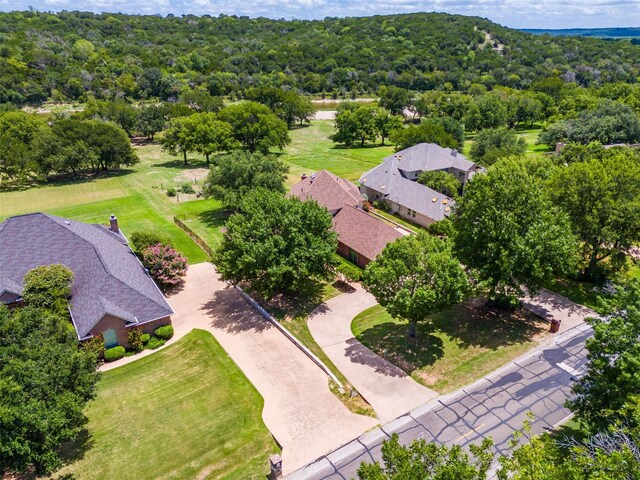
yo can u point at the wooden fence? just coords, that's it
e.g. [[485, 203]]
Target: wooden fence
[[194, 236]]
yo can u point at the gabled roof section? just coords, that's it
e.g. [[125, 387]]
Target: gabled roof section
[[425, 157], [363, 233], [108, 278], [328, 190], [387, 179]]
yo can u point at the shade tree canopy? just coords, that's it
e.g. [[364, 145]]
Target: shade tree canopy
[[416, 276], [276, 244], [491, 145], [509, 232], [235, 175]]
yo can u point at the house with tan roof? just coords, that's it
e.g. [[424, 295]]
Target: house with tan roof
[[361, 237], [394, 182]]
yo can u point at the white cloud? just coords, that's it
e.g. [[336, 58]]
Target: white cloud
[[513, 13]]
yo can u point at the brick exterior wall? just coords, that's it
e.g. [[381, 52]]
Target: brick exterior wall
[[122, 332], [343, 251]]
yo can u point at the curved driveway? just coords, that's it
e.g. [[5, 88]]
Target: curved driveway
[[304, 417], [389, 390]]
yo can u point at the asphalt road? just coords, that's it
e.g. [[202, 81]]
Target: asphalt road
[[494, 407]]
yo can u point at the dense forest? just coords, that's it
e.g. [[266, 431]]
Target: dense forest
[[76, 55]]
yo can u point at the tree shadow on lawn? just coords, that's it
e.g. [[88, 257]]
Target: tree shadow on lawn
[[178, 163], [63, 180], [471, 324], [301, 304], [476, 324], [214, 218]]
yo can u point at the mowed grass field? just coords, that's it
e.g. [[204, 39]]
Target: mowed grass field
[[184, 412], [312, 150], [136, 195], [456, 347]]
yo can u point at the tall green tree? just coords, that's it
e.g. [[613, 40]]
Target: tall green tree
[[395, 99], [355, 123], [276, 244], [602, 199], [386, 123], [416, 276], [428, 461], [428, 131], [441, 181], [491, 145], [255, 126], [510, 233], [235, 175], [18, 130], [150, 119], [609, 392], [48, 287], [212, 135], [179, 137]]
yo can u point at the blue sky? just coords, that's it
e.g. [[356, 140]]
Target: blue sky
[[511, 13]]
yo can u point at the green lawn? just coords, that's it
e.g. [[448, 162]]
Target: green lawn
[[529, 134], [136, 195], [312, 150], [457, 347], [184, 412], [584, 293]]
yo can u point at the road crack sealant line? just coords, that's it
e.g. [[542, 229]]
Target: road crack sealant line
[[564, 337], [292, 338]]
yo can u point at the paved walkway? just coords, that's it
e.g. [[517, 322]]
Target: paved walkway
[[306, 419], [550, 305], [389, 390]]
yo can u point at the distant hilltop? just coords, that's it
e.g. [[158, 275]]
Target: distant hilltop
[[608, 33]]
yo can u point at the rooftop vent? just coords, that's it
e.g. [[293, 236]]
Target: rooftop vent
[[113, 224], [303, 176], [445, 201], [434, 199], [454, 153]]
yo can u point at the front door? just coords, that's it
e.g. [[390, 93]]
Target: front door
[[110, 338]]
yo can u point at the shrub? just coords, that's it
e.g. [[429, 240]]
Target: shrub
[[381, 206], [155, 342], [134, 339], [115, 353], [165, 332], [144, 338], [165, 264], [143, 239], [187, 188], [171, 192], [351, 272], [95, 344]]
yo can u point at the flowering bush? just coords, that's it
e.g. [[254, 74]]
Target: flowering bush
[[165, 264]]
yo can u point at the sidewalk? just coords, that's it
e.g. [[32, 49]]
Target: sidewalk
[[552, 306]]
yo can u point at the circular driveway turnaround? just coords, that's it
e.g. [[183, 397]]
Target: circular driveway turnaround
[[389, 390], [305, 418]]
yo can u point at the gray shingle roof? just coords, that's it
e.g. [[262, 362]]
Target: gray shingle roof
[[425, 157], [387, 179], [108, 278]]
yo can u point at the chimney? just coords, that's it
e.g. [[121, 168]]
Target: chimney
[[303, 176], [113, 221], [454, 153]]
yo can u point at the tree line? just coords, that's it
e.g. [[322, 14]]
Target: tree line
[[74, 56]]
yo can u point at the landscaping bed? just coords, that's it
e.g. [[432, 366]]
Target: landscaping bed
[[457, 347]]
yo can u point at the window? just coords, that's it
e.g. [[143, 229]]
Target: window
[[353, 256], [110, 338]]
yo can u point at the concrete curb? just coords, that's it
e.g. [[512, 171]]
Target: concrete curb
[[291, 337], [343, 451]]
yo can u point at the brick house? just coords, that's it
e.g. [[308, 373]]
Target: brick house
[[111, 292], [361, 237]]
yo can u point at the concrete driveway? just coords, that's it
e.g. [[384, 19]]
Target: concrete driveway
[[306, 419], [389, 390]]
